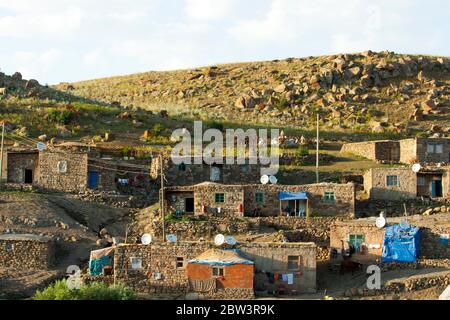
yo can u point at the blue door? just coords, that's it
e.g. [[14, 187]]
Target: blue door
[[93, 179]]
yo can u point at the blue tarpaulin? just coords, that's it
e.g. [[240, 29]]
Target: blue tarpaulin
[[96, 266], [401, 244], [292, 196]]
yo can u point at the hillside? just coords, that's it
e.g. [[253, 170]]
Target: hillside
[[379, 93]]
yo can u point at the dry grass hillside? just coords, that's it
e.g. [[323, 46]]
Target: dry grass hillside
[[378, 93]]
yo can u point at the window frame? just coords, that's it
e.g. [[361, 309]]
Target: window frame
[[439, 150], [296, 258], [131, 262], [327, 198], [179, 260], [262, 195], [217, 194], [396, 179], [61, 169], [220, 269], [356, 240]]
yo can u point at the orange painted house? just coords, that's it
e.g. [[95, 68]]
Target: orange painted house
[[221, 269]]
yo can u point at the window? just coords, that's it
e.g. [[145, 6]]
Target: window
[[329, 196], [356, 240], [9, 247], [259, 197], [439, 148], [220, 197], [180, 262], [430, 148], [218, 272], [215, 174], [62, 166], [392, 181], [182, 167], [420, 181], [136, 263], [294, 262]]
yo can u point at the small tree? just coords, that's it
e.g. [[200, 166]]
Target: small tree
[[302, 151]]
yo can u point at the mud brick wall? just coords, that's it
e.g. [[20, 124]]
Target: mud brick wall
[[375, 184], [74, 180], [17, 163], [340, 231], [26, 254]]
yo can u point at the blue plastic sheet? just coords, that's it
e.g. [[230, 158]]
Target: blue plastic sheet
[[401, 244], [292, 196], [96, 266]]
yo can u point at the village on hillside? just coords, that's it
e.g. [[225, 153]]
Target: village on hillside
[[191, 230]]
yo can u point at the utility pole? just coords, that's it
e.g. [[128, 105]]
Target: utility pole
[[1, 154], [163, 215], [317, 149]]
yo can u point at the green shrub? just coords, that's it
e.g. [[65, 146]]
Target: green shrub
[[61, 116], [302, 151], [92, 291], [157, 129]]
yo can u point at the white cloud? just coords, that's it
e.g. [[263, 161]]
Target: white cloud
[[210, 9]]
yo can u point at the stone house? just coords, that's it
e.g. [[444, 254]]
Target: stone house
[[21, 166], [26, 251], [367, 238], [425, 150], [162, 268], [408, 151], [189, 172], [261, 200], [403, 183], [381, 150]]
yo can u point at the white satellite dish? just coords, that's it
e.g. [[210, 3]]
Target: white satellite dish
[[380, 222], [265, 179], [219, 240], [146, 239], [416, 167], [273, 180], [40, 146], [230, 240], [171, 238]]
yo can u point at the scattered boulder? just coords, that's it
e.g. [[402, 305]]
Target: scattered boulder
[[245, 102]]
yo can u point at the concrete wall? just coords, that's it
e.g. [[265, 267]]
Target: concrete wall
[[74, 180], [23, 254], [161, 258], [375, 184], [18, 162]]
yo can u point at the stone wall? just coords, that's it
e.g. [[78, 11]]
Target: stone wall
[[385, 150], [18, 162], [160, 260], [408, 151], [74, 180], [416, 150], [244, 195], [197, 173], [26, 254], [375, 184]]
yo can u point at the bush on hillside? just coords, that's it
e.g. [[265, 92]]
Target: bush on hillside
[[92, 291], [61, 116]]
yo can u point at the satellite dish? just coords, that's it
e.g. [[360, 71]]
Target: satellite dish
[[146, 239], [416, 167], [40, 146], [273, 180], [380, 222], [219, 239], [230, 240], [404, 225], [265, 179], [171, 238]]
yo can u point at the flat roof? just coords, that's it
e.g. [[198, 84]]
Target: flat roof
[[24, 237]]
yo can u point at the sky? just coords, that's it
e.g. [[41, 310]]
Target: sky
[[62, 41]]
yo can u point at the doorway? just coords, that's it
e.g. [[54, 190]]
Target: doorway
[[28, 176], [436, 188], [93, 179], [189, 205]]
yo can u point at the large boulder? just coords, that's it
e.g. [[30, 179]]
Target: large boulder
[[245, 102]]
